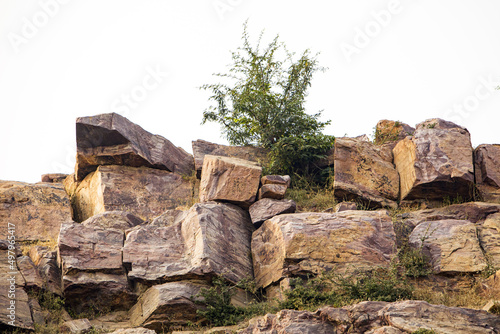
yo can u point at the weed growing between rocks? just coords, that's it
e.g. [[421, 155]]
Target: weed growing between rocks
[[313, 192]]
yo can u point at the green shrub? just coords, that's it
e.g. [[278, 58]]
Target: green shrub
[[414, 262], [424, 331]]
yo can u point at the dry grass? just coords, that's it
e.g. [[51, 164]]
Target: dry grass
[[311, 200], [27, 245]]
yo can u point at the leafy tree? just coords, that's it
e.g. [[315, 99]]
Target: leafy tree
[[262, 103]]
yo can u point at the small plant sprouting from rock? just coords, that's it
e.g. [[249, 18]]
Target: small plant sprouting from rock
[[424, 331]]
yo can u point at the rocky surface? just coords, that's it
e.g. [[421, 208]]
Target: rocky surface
[[364, 172], [145, 192], [35, 211], [489, 238], [229, 179], [92, 267], [267, 208], [119, 220], [78, 326], [213, 238], [435, 162], [344, 206], [111, 139], [249, 153], [451, 245], [54, 178], [45, 260], [378, 317], [302, 243], [162, 306], [276, 191], [391, 131], [487, 172]]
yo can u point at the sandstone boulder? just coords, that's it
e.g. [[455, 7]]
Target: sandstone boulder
[[45, 260], [276, 191], [111, 139], [162, 306], [267, 208], [249, 153], [78, 326], [92, 268], [35, 211], [30, 272], [138, 330], [451, 245], [302, 243], [213, 238], [169, 218], [17, 314], [411, 316], [276, 179], [364, 172], [487, 169], [489, 238], [229, 179], [145, 192], [435, 162], [54, 178], [119, 220], [391, 131]]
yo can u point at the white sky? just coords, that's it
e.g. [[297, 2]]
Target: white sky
[[81, 57]]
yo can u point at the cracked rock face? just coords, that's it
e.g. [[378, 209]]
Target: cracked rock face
[[435, 162], [297, 244], [365, 172], [487, 163], [111, 139]]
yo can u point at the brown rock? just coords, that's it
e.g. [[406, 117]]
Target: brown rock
[[78, 326], [276, 179], [365, 172], [344, 206], [144, 191], [92, 268], [54, 178], [111, 139], [48, 269], [34, 211], [487, 169], [249, 153], [212, 239], [138, 330], [229, 179], [276, 191], [169, 218], [301, 243], [435, 162], [391, 131], [267, 208], [386, 330], [489, 238], [20, 316], [119, 220], [411, 316], [30, 273], [289, 321], [166, 305], [451, 245]]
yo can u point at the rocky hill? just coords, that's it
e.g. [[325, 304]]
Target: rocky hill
[[138, 237]]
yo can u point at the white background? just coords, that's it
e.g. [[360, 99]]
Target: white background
[[414, 60]]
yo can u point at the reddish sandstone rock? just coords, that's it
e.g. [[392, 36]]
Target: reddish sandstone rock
[[487, 163], [111, 139], [435, 162], [302, 243]]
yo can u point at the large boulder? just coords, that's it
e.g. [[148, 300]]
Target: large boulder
[[92, 267], [119, 220], [451, 245], [211, 239], [436, 162], [162, 306], [364, 172], [489, 238], [229, 180], [146, 192], [111, 139], [34, 211], [391, 131], [249, 153], [310, 243], [45, 260], [487, 169]]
